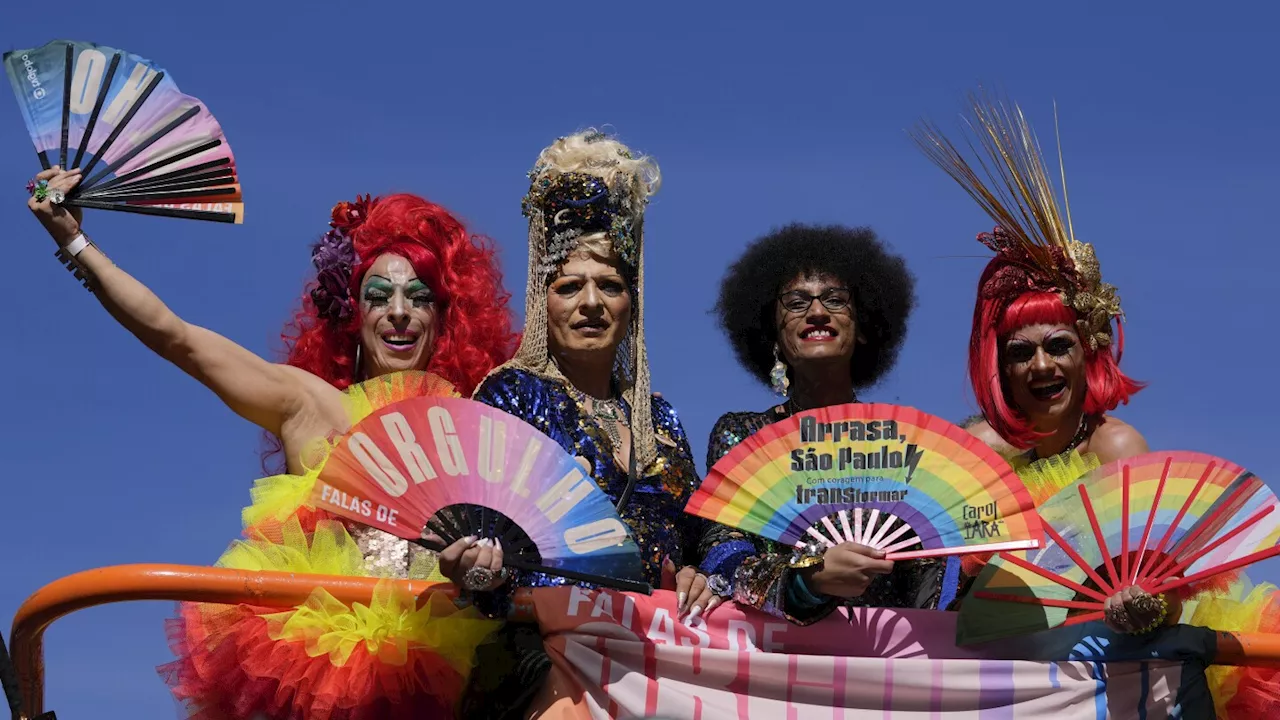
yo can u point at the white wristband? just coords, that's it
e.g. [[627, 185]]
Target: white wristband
[[67, 255], [76, 246]]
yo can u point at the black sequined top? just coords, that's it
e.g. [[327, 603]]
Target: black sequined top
[[655, 511], [912, 584]]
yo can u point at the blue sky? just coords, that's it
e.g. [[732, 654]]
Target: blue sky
[[758, 115]]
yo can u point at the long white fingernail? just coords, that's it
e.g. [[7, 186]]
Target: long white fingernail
[[695, 612], [680, 598]]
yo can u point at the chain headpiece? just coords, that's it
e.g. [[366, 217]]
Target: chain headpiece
[[568, 205]]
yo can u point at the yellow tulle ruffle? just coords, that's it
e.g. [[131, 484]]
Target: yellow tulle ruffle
[[1045, 477], [388, 628], [273, 499]]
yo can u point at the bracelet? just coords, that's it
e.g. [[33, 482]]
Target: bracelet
[[807, 556], [67, 255]]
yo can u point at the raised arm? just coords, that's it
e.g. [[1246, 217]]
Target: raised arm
[[259, 391]]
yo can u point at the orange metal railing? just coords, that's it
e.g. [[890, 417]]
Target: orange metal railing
[[274, 589], [180, 583]]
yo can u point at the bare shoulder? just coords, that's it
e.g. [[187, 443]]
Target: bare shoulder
[[315, 395], [987, 434], [1116, 439]]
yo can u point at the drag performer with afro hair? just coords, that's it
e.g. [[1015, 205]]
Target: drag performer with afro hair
[[817, 313]]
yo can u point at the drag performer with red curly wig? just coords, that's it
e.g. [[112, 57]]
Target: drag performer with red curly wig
[[406, 302], [1044, 363]]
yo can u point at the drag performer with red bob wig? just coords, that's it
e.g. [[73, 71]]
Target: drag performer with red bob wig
[[405, 303], [1044, 363], [1044, 372]]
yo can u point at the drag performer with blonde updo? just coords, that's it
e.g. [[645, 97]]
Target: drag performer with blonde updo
[[405, 303], [581, 376], [1044, 367]]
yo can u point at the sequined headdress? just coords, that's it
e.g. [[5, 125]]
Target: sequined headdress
[[1033, 238], [604, 190]]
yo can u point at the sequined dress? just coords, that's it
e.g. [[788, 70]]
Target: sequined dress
[[759, 569], [511, 670]]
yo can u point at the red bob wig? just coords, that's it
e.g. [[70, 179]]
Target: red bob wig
[[994, 318]]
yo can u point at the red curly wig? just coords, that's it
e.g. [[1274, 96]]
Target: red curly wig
[[474, 332], [994, 318]]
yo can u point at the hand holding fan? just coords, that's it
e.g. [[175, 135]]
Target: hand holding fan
[[1158, 522], [880, 475], [143, 146], [459, 468]]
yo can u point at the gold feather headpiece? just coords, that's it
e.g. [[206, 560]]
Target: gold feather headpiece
[[1033, 238]]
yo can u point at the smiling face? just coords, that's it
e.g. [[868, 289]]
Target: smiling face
[[398, 318], [1044, 373], [588, 309], [815, 321]]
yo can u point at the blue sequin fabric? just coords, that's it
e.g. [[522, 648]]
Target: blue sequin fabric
[[760, 567], [655, 512]]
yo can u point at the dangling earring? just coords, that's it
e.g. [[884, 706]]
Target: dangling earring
[[359, 368], [778, 375]]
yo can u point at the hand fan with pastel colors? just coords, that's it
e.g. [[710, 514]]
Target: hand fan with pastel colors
[[143, 146], [457, 468], [1159, 521]]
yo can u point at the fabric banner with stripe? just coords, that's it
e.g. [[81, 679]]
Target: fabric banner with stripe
[[626, 655]]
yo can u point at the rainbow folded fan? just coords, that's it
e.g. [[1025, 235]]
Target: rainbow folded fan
[[885, 476], [1159, 521], [456, 468], [143, 146]]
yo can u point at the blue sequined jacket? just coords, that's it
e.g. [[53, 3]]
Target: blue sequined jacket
[[655, 512], [759, 570]]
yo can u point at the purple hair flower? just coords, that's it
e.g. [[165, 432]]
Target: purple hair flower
[[334, 258]]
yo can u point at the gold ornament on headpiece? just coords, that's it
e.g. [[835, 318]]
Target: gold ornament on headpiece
[[1018, 194]]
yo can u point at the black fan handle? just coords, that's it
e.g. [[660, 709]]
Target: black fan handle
[[516, 564]]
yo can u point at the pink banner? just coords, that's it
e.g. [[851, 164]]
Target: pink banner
[[625, 655]]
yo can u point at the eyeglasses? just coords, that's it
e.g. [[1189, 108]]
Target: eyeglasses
[[833, 299]]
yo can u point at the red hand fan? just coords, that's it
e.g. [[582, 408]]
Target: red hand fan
[[885, 476], [1159, 522], [459, 468], [143, 146]]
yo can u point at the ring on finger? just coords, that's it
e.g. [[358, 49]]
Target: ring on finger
[[478, 578], [719, 585]]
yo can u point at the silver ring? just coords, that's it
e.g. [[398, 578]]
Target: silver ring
[[719, 585], [478, 578], [57, 196]]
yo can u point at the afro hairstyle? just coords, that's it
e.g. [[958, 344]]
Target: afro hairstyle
[[883, 292]]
